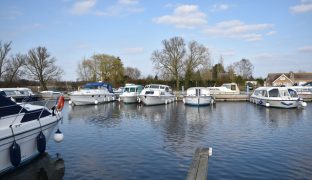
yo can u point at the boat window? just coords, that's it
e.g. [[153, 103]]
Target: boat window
[[198, 92], [228, 86], [132, 89], [274, 93], [167, 89], [126, 90], [292, 93], [264, 93], [2, 93], [155, 86], [90, 87], [149, 92], [162, 87], [233, 87], [162, 93]]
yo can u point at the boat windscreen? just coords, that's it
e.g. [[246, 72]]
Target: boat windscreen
[[292, 93]]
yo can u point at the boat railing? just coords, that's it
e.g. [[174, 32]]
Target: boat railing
[[49, 104]]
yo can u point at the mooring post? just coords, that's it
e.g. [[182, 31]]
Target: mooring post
[[199, 167]]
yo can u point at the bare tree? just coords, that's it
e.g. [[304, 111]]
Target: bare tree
[[231, 72], [4, 50], [86, 70], [14, 67], [132, 73], [41, 66], [244, 68], [169, 60], [197, 57]]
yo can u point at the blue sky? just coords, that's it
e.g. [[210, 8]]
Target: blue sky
[[276, 36]]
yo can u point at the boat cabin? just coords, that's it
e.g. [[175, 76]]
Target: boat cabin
[[275, 92], [133, 88]]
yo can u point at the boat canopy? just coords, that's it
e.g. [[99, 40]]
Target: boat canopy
[[98, 85]]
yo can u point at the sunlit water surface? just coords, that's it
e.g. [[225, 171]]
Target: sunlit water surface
[[117, 141]]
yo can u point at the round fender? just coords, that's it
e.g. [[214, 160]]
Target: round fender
[[41, 142], [58, 136], [15, 154]]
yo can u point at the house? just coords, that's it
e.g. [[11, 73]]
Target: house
[[287, 79]]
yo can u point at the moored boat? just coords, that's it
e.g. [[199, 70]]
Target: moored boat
[[226, 88], [92, 93], [280, 97], [21, 94], [156, 94], [50, 94], [131, 93], [198, 96], [24, 131]]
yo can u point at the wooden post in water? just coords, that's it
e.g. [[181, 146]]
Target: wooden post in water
[[199, 167]]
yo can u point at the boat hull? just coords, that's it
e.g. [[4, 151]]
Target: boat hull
[[286, 104], [129, 99], [91, 99], [156, 100], [25, 136], [197, 100]]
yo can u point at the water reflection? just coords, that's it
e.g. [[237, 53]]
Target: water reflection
[[129, 111], [278, 118], [43, 167], [104, 115]]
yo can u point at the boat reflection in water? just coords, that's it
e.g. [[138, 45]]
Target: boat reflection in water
[[279, 118], [43, 167]]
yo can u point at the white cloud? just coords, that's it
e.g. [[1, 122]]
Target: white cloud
[[238, 29], [220, 7], [271, 33], [127, 2], [304, 6], [305, 49], [134, 50], [82, 7], [184, 16], [123, 7]]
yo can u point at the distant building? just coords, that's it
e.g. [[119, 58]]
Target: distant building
[[287, 79]]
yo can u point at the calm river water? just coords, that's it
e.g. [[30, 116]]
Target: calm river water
[[117, 141]]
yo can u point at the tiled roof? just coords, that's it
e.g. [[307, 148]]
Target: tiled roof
[[297, 76]]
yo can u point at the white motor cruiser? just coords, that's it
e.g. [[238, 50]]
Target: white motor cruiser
[[130, 93], [24, 131], [198, 96], [92, 93], [226, 88], [50, 94], [20, 94], [155, 94], [281, 97]]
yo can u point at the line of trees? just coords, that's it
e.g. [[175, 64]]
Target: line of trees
[[192, 63], [108, 68], [36, 65]]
